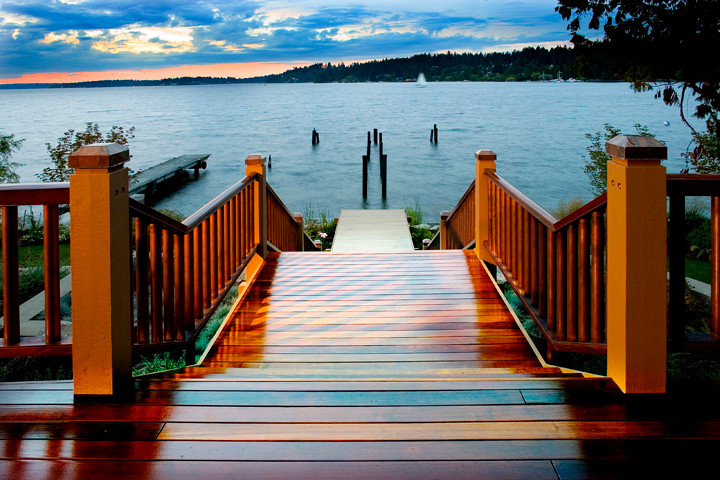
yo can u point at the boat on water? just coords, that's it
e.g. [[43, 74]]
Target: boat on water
[[421, 82]]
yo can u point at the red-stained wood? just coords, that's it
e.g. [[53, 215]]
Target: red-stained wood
[[51, 262], [142, 291], [413, 387], [156, 277], [168, 288], [11, 275]]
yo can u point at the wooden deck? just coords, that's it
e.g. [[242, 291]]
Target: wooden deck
[[384, 366], [372, 231]]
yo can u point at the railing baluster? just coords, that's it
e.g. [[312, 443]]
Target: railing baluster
[[715, 267], [199, 277], [597, 277], [583, 310], [213, 250], [142, 295], [11, 275], [561, 288], [526, 252], [51, 260], [233, 232], [156, 272], [533, 261], [179, 281], [542, 236], [168, 285], [551, 280], [206, 269], [189, 279], [220, 249], [572, 282], [515, 241], [226, 242]]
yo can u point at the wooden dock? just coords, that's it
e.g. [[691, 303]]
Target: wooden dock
[[382, 366], [372, 231], [147, 181]]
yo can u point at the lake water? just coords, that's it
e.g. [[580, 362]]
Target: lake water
[[537, 131]]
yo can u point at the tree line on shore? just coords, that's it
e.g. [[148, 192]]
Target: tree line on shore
[[529, 64]]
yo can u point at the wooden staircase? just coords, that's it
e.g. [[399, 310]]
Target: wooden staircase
[[391, 317]]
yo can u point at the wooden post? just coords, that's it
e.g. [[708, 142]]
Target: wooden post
[[365, 159], [269, 161], [444, 240], [375, 135], [484, 162], [636, 264], [102, 360], [256, 164], [300, 231], [383, 169], [318, 244], [315, 137], [676, 268], [435, 133]]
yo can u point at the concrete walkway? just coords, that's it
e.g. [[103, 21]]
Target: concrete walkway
[[372, 231]]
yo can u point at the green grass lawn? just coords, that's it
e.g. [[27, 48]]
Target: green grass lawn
[[698, 270]]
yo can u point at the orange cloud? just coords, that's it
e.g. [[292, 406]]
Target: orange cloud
[[239, 70]]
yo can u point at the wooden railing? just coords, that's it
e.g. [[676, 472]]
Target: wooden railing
[[680, 186], [11, 197], [184, 270], [457, 228], [283, 234], [556, 267], [181, 270]]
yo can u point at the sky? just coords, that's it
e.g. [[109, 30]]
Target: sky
[[79, 40]]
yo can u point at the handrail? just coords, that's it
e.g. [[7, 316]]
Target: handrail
[[50, 196], [211, 207], [458, 206], [526, 202], [556, 267], [18, 194]]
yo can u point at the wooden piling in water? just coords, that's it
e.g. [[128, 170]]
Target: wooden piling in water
[[315, 137], [375, 135], [383, 169], [269, 161], [434, 135], [364, 175]]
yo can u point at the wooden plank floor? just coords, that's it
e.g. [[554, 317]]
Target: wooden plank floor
[[362, 366], [372, 231]]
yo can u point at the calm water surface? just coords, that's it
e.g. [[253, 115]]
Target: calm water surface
[[536, 129]]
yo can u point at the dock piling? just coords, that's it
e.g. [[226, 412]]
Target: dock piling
[[269, 161], [365, 175], [383, 169], [375, 135], [315, 137], [434, 134]]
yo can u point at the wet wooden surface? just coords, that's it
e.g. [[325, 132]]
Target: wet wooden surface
[[362, 366]]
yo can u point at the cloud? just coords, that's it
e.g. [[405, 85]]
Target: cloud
[[83, 35], [154, 40], [71, 38]]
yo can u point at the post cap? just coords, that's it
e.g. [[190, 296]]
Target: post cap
[[298, 217], [485, 155], [444, 215], [254, 160], [99, 155], [636, 147]]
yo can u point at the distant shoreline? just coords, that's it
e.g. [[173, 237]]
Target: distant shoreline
[[558, 64], [162, 83]]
